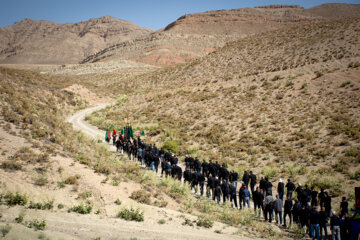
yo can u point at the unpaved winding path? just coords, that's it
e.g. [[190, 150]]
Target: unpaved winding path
[[111, 228], [79, 123]]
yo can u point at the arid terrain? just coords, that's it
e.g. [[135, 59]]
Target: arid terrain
[[273, 89]]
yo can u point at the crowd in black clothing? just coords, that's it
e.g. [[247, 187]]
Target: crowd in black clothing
[[310, 209]]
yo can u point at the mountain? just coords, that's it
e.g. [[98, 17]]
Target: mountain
[[283, 103], [44, 42], [195, 35]]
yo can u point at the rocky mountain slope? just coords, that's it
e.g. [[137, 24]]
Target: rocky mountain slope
[[44, 42], [282, 103], [195, 35]]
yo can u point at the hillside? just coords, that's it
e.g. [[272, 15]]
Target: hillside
[[282, 103], [195, 35], [57, 183], [44, 42]]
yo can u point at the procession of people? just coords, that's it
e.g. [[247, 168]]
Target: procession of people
[[291, 204]]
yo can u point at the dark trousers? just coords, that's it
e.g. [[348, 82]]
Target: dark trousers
[[268, 213], [290, 217], [225, 197], [213, 193], [323, 227], [252, 188], [278, 217], [281, 195], [289, 193], [202, 188], [233, 198]]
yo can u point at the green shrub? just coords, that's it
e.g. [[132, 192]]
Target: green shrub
[[205, 221], [16, 199], [270, 172], [131, 214], [60, 206], [42, 206], [11, 165], [41, 180], [85, 195], [326, 182], [5, 230], [141, 196], [61, 184], [37, 225], [72, 180], [20, 217], [171, 145], [82, 209], [345, 83], [117, 201], [161, 221]]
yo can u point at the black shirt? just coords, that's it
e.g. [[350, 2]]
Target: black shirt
[[334, 221], [344, 207], [290, 186], [288, 205], [253, 179], [281, 187], [314, 217]]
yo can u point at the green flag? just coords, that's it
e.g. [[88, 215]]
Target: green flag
[[143, 133], [106, 135]]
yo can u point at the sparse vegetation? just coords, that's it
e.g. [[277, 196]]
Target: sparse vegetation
[[82, 209], [17, 199], [36, 224], [141, 196], [205, 221], [131, 214], [5, 230]]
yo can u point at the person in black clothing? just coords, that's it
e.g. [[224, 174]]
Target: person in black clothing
[[205, 168], [287, 210], [327, 204], [201, 183], [252, 182], [303, 216], [323, 223], [178, 171], [296, 211], [314, 220], [246, 179], [290, 186], [218, 193], [268, 186], [217, 168], [211, 184], [298, 191], [156, 163], [335, 226], [344, 207], [262, 184], [347, 227], [194, 181], [308, 194], [314, 193], [280, 189], [258, 199], [225, 174], [321, 197], [225, 190], [212, 169], [241, 195], [233, 195], [187, 176], [234, 178]]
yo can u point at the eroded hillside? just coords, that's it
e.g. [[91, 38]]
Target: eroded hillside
[[283, 103]]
